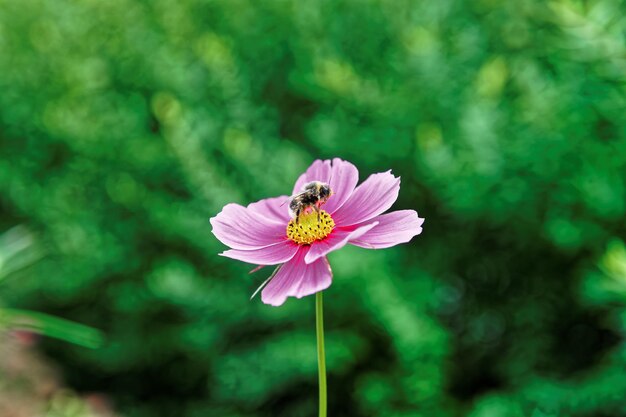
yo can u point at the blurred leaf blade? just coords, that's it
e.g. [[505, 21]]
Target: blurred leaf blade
[[44, 324]]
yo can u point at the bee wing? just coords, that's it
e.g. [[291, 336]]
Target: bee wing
[[266, 281], [291, 198]]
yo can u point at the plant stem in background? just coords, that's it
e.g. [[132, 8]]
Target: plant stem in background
[[321, 356]]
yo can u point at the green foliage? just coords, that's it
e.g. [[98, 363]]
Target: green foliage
[[50, 326], [125, 125], [18, 250]]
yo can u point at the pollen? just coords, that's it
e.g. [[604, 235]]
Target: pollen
[[310, 227]]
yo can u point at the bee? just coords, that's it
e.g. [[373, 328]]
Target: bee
[[313, 195]]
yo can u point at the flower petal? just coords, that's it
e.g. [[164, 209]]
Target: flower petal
[[275, 254], [318, 171], [343, 178], [375, 195], [242, 228], [297, 279], [393, 228], [275, 209], [336, 240]]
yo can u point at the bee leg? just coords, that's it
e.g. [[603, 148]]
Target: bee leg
[[297, 216], [317, 210]]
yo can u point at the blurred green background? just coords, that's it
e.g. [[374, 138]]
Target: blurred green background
[[125, 125]]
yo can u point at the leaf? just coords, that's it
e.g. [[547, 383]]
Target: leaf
[[51, 326]]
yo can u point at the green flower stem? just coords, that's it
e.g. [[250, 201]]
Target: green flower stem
[[321, 356]]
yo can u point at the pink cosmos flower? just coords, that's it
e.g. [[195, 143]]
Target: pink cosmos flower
[[263, 233]]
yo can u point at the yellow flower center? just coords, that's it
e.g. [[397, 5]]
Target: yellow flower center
[[310, 227]]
